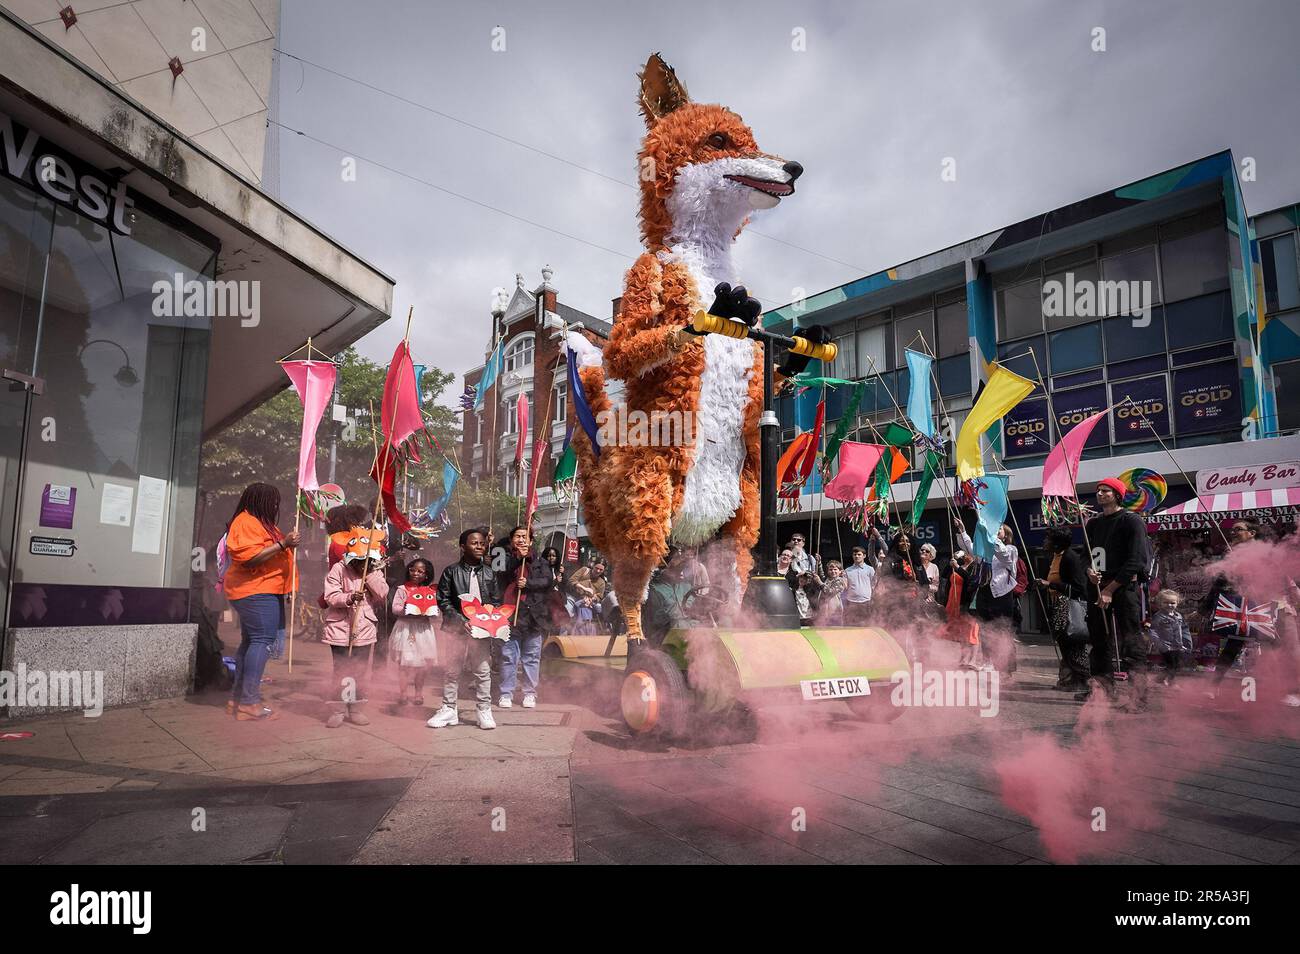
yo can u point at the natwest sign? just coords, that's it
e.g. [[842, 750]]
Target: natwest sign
[[1228, 480], [27, 157]]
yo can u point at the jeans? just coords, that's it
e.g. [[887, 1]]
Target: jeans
[[464, 652], [261, 617], [525, 647]]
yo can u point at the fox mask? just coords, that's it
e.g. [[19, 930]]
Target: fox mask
[[488, 621], [421, 601], [360, 543]]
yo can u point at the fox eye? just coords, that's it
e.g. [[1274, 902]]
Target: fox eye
[[719, 141]]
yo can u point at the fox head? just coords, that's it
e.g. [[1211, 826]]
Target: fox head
[[486, 619], [360, 543], [702, 173], [421, 601]]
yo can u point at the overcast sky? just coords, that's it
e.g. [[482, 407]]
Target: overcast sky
[[883, 92]]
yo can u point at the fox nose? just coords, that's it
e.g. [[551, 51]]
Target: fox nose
[[793, 169]]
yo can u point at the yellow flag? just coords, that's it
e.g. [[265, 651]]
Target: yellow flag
[[1004, 390]]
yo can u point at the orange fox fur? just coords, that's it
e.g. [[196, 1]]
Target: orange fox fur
[[631, 494]]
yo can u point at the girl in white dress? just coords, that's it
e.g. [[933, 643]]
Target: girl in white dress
[[413, 645]]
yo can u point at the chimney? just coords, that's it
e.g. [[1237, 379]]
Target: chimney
[[617, 308]]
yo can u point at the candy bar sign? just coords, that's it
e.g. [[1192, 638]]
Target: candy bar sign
[[1228, 480]]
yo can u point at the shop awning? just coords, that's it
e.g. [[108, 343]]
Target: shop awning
[[1266, 506]]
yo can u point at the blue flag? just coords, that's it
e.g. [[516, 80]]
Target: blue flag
[[449, 475], [489, 375], [991, 511], [918, 395], [419, 378], [580, 406]]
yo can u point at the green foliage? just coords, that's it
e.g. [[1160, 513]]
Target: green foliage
[[263, 445]]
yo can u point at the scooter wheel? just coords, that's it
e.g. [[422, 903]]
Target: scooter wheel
[[874, 708], [654, 699]]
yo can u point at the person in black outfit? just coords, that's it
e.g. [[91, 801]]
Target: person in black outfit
[[1115, 616], [1066, 580], [1243, 531]]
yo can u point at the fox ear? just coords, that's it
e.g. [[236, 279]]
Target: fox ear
[[661, 90]]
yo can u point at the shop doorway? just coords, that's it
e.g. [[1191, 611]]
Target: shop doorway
[[26, 230]]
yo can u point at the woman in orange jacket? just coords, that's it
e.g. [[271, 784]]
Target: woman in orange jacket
[[260, 574]]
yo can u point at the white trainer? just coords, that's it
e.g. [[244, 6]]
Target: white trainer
[[505, 702], [530, 701], [1291, 700], [485, 720], [444, 717]]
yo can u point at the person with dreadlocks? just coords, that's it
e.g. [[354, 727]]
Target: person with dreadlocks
[[259, 575]]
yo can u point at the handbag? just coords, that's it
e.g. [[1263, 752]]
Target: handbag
[[1070, 619]]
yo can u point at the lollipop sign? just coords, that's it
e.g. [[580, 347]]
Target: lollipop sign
[[1146, 489]]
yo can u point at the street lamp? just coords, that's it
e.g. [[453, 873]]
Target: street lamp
[[126, 375]]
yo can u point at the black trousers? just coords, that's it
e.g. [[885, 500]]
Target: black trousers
[[1075, 667], [1117, 629], [1227, 656]]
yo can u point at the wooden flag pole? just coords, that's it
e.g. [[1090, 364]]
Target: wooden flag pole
[[383, 469], [297, 521]]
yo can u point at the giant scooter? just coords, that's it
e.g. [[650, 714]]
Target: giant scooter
[[778, 662]]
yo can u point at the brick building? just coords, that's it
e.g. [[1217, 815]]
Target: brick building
[[528, 324]]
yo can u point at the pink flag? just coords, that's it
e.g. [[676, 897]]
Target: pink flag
[[857, 468], [314, 382], [521, 418], [1062, 464], [400, 412]]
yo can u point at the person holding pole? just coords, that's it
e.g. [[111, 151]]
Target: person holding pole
[[260, 574], [527, 581], [353, 587], [1118, 538]]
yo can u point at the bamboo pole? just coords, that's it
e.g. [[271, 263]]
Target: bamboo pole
[[297, 521], [530, 490]]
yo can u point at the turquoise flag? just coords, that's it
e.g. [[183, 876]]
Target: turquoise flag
[[489, 375], [918, 396], [991, 511], [449, 475]]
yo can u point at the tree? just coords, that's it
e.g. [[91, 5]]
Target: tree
[[263, 446]]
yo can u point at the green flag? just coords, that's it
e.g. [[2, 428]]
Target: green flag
[[847, 418], [933, 464]]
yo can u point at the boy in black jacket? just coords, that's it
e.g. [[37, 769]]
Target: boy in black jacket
[[470, 576]]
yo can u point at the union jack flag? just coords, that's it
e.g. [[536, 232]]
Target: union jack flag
[[1244, 620]]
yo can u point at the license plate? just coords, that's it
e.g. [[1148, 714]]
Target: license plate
[[842, 688]]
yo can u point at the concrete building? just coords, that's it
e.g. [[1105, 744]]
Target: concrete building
[[1212, 356], [203, 66], [526, 324], [147, 288]]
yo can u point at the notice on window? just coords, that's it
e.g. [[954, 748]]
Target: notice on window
[[115, 505], [150, 503], [58, 504]]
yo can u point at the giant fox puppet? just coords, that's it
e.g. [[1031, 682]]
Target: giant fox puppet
[[703, 175]]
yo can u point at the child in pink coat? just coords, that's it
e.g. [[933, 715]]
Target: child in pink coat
[[351, 628]]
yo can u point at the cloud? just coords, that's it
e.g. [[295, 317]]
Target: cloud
[[1034, 117]]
